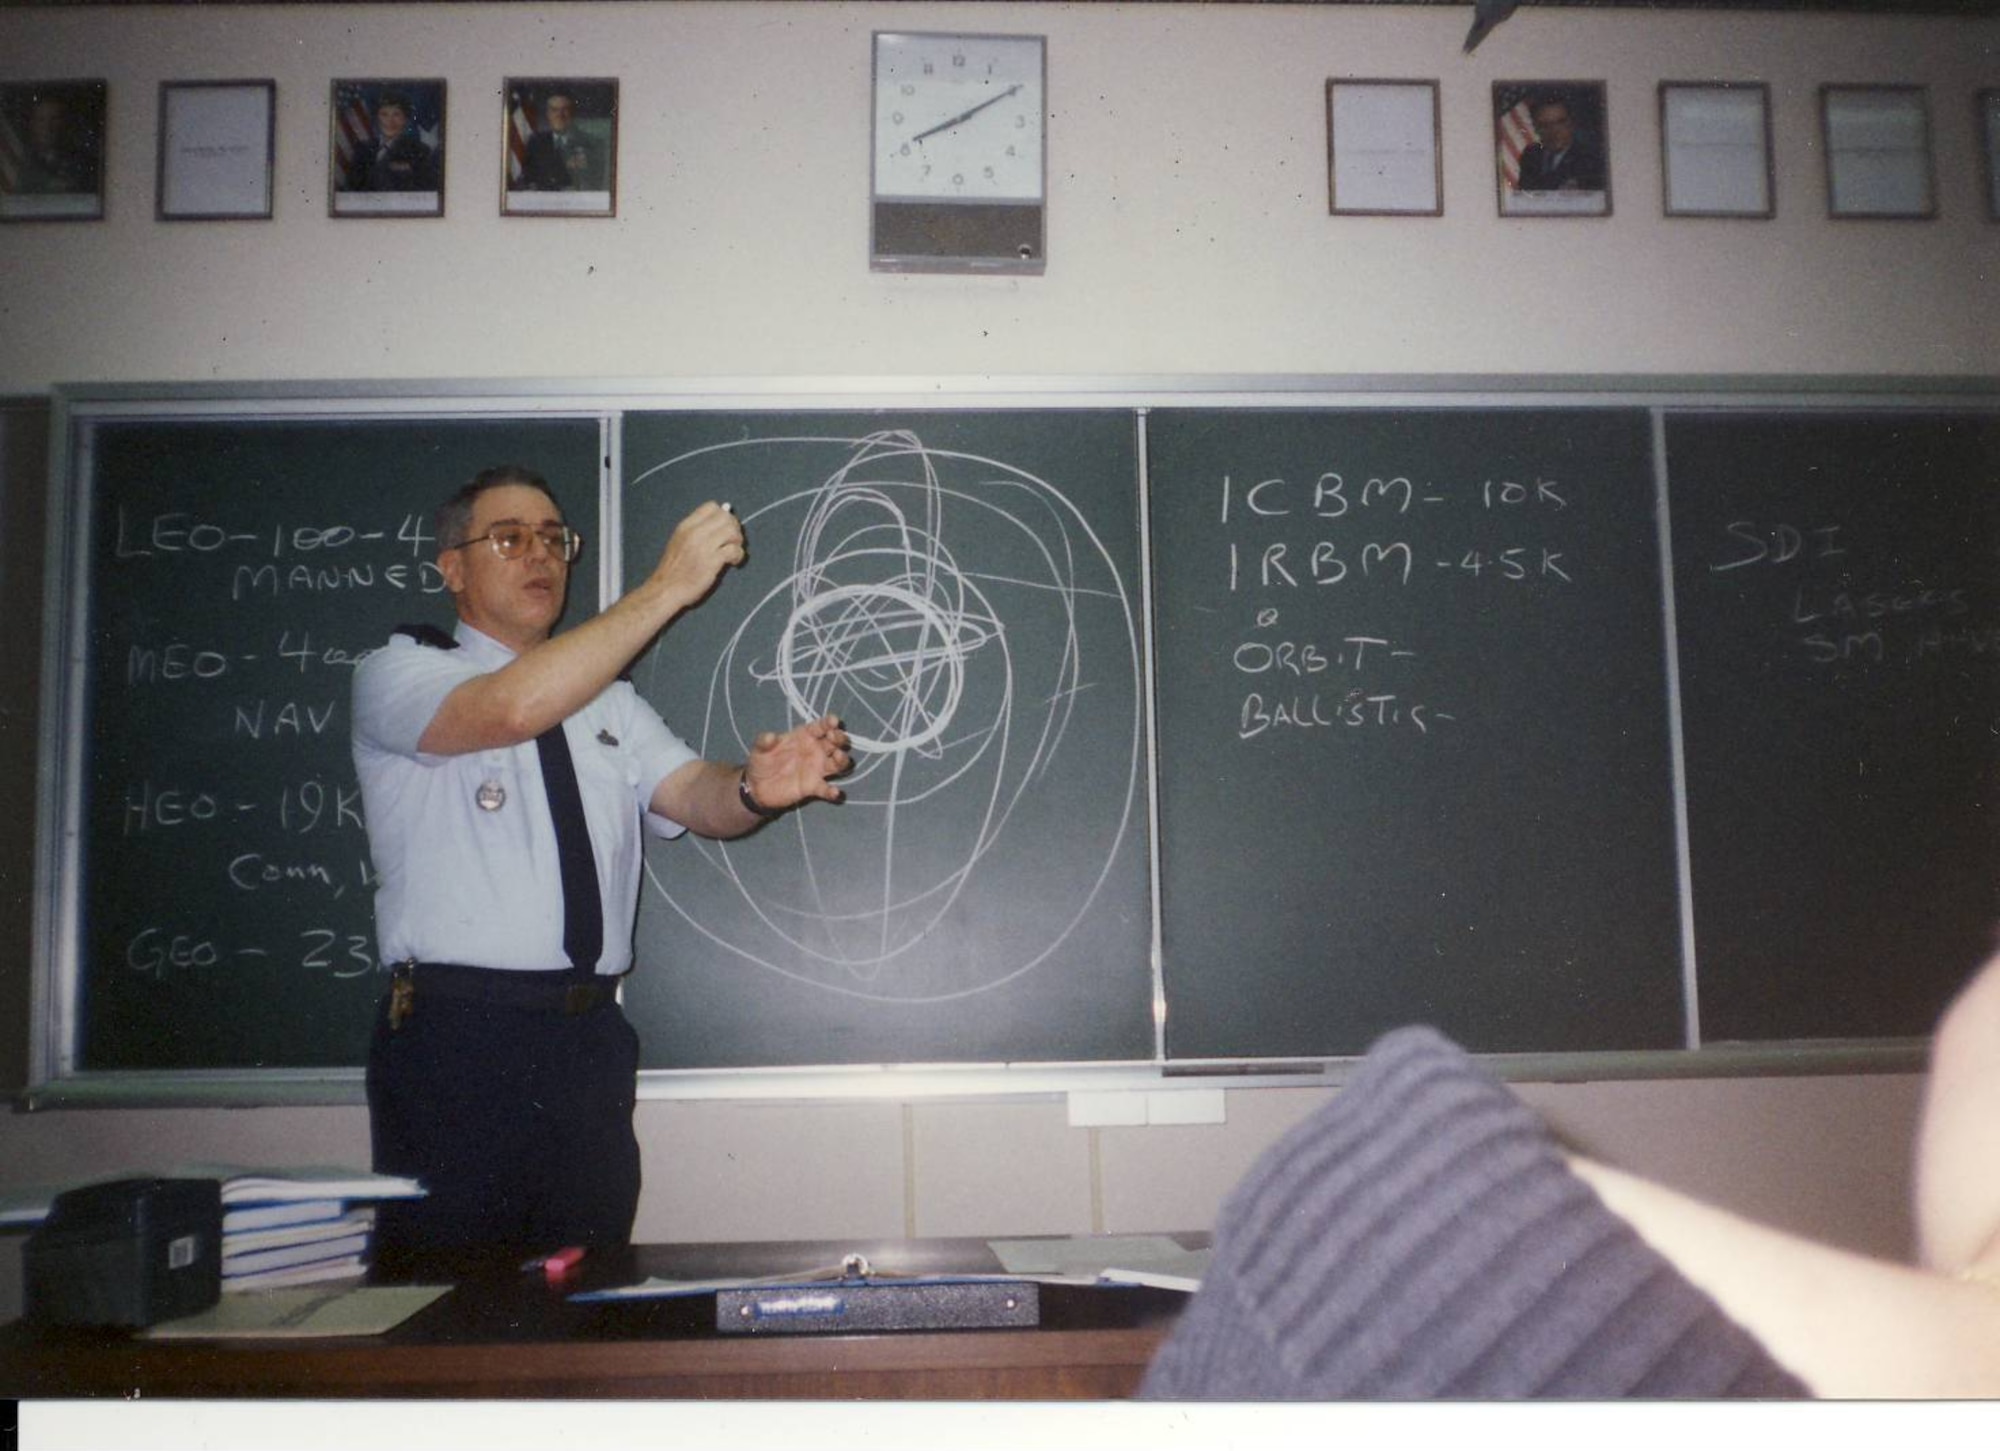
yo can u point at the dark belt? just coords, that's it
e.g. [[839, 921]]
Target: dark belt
[[546, 992]]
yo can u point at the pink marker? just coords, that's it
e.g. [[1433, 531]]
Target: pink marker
[[555, 1266]]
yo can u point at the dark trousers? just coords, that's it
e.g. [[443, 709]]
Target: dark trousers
[[518, 1122]]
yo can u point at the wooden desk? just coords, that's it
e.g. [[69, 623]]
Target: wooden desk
[[504, 1335]]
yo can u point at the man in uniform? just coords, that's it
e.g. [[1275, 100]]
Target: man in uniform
[[1560, 159], [558, 158], [505, 772]]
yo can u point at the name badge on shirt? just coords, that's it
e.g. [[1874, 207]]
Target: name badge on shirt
[[490, 796]]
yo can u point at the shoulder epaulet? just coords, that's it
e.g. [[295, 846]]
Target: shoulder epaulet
[[429, 635]]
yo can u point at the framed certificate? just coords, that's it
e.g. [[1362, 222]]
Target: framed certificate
[[1715, 149], [1383, 155], [1878, 152], [216, 143]]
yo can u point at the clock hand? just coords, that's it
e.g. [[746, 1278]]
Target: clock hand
[[968, 115]]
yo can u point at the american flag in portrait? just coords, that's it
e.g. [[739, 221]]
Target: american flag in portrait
[[523, 118], [1513, 129], [353, 131]]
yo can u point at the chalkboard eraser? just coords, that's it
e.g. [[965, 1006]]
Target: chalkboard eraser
[[1261, 1068]]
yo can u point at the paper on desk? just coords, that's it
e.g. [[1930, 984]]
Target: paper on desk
[[1092, 1255], [1183, 1275], [290, 1314], [242, 1184]]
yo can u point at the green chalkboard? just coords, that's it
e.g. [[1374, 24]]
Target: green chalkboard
[[1188, 735], [1414, 748], [962, 589], [1837, 586], [230, 573]]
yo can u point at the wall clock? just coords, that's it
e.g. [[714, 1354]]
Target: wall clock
[[959, 153]]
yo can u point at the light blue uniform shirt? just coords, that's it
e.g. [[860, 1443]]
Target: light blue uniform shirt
[[462, 882]]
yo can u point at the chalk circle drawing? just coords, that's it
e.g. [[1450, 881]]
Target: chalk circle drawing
[[966, 623]]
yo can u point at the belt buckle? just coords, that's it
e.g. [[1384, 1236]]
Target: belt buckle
[[580, 998]]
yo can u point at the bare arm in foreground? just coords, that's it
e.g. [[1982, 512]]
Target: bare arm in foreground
[[1851, 1326]]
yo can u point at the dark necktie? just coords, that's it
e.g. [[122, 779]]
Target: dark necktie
[[583, 914]]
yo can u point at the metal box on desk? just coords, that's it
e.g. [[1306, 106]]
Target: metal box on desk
[[131, 1252]]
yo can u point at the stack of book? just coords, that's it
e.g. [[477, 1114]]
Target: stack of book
[[300, 1226], [265, 1246]]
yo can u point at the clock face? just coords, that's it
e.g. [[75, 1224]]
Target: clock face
[[958, 117]]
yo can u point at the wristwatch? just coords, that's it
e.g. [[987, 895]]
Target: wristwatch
[[750, 803]]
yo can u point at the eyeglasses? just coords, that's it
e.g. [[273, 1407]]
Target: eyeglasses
[[511, 541]]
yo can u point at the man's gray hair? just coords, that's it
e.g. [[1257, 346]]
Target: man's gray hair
[[453, 520]]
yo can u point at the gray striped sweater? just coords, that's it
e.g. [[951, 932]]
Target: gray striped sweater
[[1421, 1237]]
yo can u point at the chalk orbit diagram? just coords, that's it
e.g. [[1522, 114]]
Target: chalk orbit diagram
[[956, 613]]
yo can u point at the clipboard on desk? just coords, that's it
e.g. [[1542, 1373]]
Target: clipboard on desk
[[851, 1298]]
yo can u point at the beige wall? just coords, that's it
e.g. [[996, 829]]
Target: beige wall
[[1188, 226], [1188, 236]]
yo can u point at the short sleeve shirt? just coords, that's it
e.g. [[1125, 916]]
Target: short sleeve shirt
[[464, 846]]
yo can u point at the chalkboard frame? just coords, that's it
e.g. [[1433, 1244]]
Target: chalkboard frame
[[54, 1080]]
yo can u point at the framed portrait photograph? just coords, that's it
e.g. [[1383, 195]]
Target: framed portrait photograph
[[1989, 137], [1552, 150], [52, 151], [1383, 153], [216, 143], [560, 150], [1715, 149], [1878, 152], [385, 153]]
